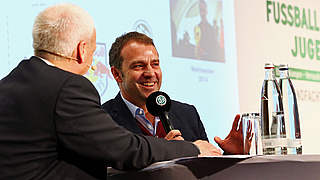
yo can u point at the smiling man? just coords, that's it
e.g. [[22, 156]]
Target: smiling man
[[135, 65]]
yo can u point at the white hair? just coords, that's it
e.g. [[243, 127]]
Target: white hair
[[61, 27]]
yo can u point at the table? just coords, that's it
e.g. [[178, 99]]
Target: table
[[291, 167]]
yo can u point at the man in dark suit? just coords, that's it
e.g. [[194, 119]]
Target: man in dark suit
[[135, 65], [51, 122], [184, 118]]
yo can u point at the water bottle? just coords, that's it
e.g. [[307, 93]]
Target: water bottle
[[273, 129], [291, 114]]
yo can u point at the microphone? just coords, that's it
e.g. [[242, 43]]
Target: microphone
[[92, 67], [158, 104]]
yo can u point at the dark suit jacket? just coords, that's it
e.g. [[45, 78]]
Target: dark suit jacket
[[52, 126], [183, 117]]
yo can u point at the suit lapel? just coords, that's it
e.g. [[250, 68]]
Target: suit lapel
[[123, 116], [173, 119]]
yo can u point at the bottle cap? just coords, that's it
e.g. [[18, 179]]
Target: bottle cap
[[268, 65], [283, 67]]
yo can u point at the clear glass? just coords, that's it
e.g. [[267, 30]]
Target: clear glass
[[291, 114], [273, 128], [251, 126]]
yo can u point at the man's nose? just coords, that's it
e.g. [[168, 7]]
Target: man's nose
[[149, 70]]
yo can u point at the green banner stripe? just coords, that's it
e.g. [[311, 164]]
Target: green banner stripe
[[302, 74]]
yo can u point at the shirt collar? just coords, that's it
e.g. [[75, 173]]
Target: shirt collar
[[133, 108], [46, 61]]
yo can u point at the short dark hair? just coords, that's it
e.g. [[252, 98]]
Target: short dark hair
[[115, 58]]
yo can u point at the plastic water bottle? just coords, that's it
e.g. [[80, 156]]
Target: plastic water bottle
[[273, 129], [291, 114]]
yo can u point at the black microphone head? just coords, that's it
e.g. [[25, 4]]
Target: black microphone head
[[158, 102]]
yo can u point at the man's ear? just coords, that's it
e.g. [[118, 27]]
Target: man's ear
[[117, 75], [81, 51]]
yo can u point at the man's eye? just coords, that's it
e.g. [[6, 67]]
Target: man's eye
[[137, 66]]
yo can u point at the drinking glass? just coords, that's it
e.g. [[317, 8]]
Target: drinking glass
[[251, 130]]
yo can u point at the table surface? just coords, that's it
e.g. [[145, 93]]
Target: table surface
[[228, 167]]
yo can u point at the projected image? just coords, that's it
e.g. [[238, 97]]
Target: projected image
[[101, 74], [197, 29]]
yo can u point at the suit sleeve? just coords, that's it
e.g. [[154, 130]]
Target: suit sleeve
[[84, 128], [201, 130]]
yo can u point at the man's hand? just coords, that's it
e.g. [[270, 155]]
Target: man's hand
[[174, 135], [233, 143], [207, 149]]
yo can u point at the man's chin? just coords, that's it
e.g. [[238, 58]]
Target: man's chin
[[148, 93]]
